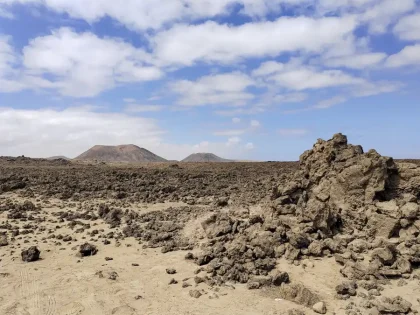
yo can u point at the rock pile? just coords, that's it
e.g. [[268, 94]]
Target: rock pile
[[341, 202]]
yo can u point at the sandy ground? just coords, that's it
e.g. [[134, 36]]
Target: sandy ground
[[63, 284]]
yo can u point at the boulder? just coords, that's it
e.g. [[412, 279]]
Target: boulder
[[31, 254]]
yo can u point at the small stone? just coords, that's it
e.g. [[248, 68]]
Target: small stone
[[3, 240], [170, 271], [138, 297], [253, 285], [320, 308], [173, 281], [113, 275], [135, 265], [186, 285], [195, 294], [109, 258]]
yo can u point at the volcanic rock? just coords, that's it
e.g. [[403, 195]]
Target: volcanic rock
[[31, 254], [87, 250]]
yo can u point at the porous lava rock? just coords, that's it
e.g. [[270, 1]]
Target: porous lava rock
[[31, 254]]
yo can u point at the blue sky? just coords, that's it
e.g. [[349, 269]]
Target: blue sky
[[244, 79]]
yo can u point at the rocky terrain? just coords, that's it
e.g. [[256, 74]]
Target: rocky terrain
[[122, 153], [204, 157], [336, 233]]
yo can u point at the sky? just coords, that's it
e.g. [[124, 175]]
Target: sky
[[244, 79]]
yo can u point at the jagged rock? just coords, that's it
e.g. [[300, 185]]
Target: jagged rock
[[298, 293], [385, 255], [31, 254], [217, 225], [410, 210], [383, 226], [389, 208], [195, 293], [347, 288], [395, 305]]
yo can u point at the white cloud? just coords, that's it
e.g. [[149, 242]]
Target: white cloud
[[84, 65], [410, 55], [408, 28], [296, 76], [212, 42], [249, 146], [356, 61], [129, 100], [233, 141], [255, 124], [8, 61], [136, 108], [292, 132], [69, 132], [385, 12], [148, 14], [330, 102], [229, 133], [236, 120], [289, 98], [224, 89], [375, 88]]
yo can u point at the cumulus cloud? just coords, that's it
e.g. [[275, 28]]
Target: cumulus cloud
[[228, 88], [410, 55], [84, 65], [69, 132], [212, 42], [8, 74], [408, 28], [356, 61], [236, 120], [148, 14], [385, 12], [299, 77]]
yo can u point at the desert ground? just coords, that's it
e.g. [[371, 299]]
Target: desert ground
[[335, 233]]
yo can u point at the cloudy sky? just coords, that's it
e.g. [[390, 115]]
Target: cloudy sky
[[248, 79]]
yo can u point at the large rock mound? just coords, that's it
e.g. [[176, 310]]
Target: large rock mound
[[204, 157], [122, 153], [341, 202]]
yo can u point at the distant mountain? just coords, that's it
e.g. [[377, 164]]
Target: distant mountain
[[122, 153], [59, 157], [204, 157]]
